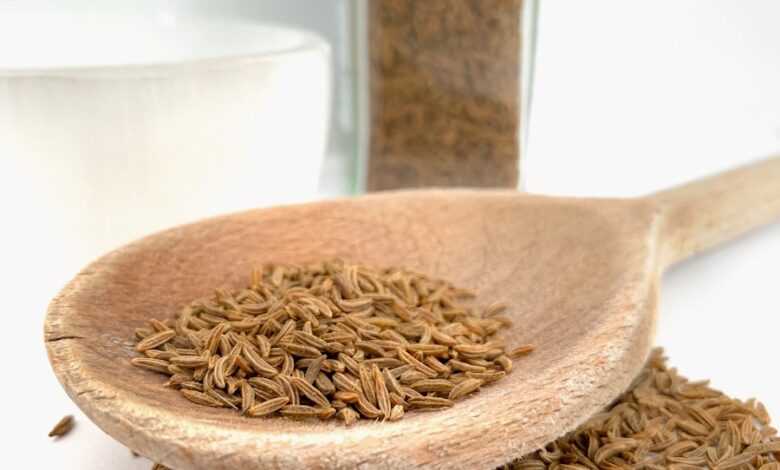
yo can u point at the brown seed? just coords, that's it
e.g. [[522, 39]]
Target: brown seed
[[692, 427], [433, 385], [313, 369], [309, 339], [464, 388], [505, 363], [338, 404], [433, 349], [267, 407], [346, 397], [472, 351], [310, 392], [465, 366], [438, 366], [396, 413], [157, 365], [301, 411], [288, 365], [285, 330], [392, 384], [430, 402], [233, 384], [487, 377], [736, 461], [289, 391], [257, 363], [157, 354], [324, 384], [764, 448], [201, 398], [190, 362], [247, 397], [412, 361], [264, 345], [348, 415], [300, 350], [366, 408], [614, 448], [494, 309], [367, 385], [770, 466], [327, 413], [177, 379], [384, 362], [370, 348], [520, 351], [346, 383], [332, 365], [219, 372], [267, 385], [443, 338], [399, 371], [397, 399], [63, 427], [221, 396], [412, 376], [141, 333], [212, 342], [350, 363], [155, 340], [380, 388]]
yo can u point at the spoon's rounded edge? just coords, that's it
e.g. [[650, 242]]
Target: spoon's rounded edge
[[488, 441]]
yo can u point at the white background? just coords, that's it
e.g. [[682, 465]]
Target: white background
[[630, 97]]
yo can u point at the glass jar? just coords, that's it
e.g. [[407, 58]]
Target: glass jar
[[442, 91]]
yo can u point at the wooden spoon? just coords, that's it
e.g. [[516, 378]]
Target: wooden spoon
[[581, 276]]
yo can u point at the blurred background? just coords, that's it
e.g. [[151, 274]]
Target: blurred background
[[120, 119]]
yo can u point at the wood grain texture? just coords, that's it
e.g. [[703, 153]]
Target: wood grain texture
[[579, 275], [704, 213]]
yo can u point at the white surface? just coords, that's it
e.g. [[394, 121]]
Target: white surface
[[631, 97]]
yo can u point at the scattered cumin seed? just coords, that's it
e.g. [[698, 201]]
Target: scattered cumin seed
[[665, 422], [63, 427], [521, 351]]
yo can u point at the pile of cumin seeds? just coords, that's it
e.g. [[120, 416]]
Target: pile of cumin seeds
[[666, 422], [327, 340]]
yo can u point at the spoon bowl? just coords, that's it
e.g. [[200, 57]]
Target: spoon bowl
[[581, 278]]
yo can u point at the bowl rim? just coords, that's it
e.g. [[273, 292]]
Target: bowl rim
[[306, 41]]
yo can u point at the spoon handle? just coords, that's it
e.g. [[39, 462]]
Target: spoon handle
[[705, 213]]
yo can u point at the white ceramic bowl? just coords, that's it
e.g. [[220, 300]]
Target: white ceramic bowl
[[115, 122]]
